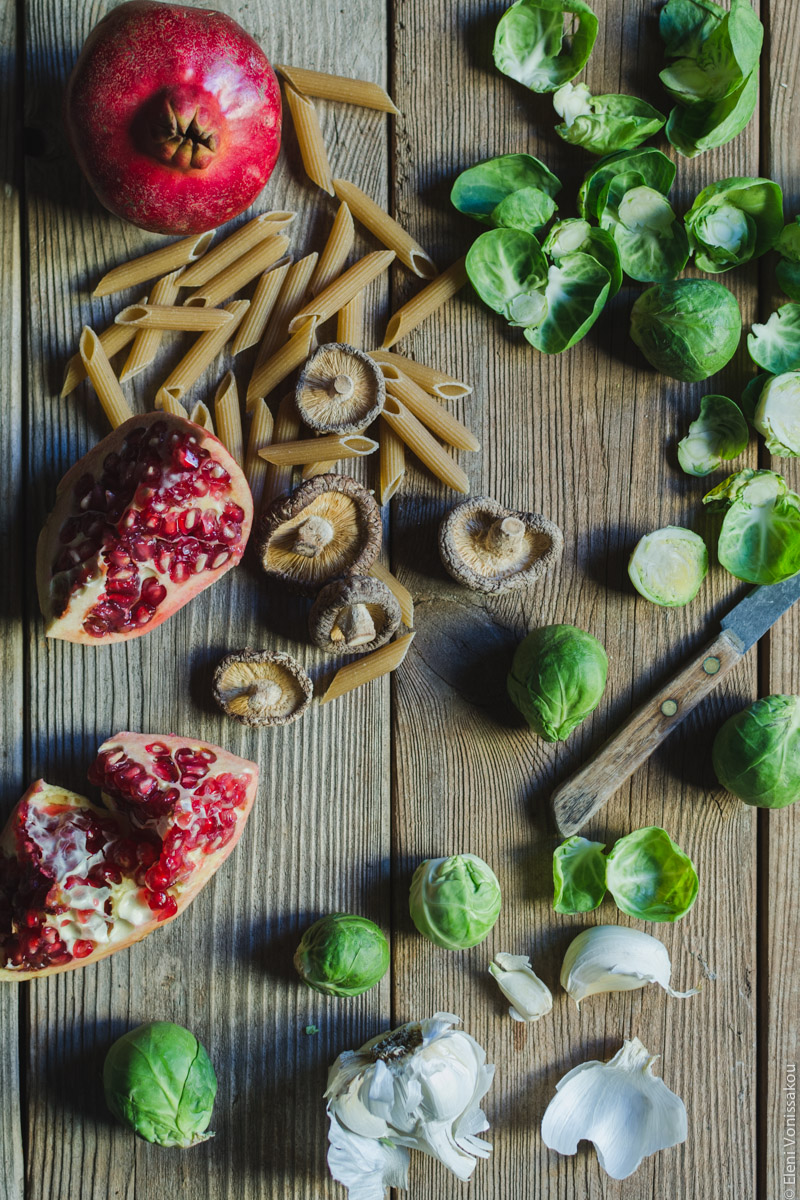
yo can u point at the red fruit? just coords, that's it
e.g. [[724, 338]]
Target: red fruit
[[174, 115], [78, 882], [113, 560]]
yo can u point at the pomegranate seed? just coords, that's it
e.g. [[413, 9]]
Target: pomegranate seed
[[156, 748], [119, 557], [82, 948], [185, 457], [233, 513], [199, 487], [141, 615], [130, 519], [143, 550], [200, 563], [179, 572], [165, 769], [153, 592], [187, 519], [220, 559], [169, 525], [157, 878]]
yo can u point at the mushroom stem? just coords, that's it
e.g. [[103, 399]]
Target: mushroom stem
[[504, 537], [356, 625], [344, 387], [313, 535], [263, 697]]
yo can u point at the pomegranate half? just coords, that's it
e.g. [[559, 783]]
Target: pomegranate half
[[151, 516], [79, 882], [174, 114]]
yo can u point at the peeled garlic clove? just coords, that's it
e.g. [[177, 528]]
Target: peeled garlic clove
[[614, 958], [530, 998], [620, 1106]]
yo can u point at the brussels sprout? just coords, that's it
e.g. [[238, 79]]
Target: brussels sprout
[[733, 221], [760, 536], [575, 236], [787, 271], [479, 190], [720, 61], [159, 1080], [654, 169], [751, 394], [702, 127], [604, 124], [756, 754], [529, 209], [685, 24], [577, 289], [650, 877], [777, 415], [720, 432], [509, 272], [530, 43], [653, 247], [775, 345], [688, 329], [342, 955], [557, 678], [579, 875], [668, 566], [454, 902]]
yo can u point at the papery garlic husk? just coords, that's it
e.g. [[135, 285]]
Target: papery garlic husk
[[614, 958], [417, 1087], [620, 1106], [519, 983]]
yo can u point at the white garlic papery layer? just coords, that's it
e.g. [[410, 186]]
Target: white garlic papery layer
[[620, 1106], [519, 983], [614, 958], [417, 1087]]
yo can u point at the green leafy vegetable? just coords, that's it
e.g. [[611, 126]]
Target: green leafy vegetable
[[577, 289], [777, 416], [654, 169], [725, 57], [342, 955], [530, 43], [751, 394], [557, 678], [756, 754], [653, 246], [760, 536], [159, 1080], [687, 329], [529, 209], [480, 189], [720, 432], [604, 124], [455, 901], [733, 221], [509, 272], [650, 877], [668, 566], [579, 875], [775, 345], [574, 236], [685, 24], [703, 127], [787, 274], [787, 271]]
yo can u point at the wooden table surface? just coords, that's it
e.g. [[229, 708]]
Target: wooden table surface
[[436, 761]]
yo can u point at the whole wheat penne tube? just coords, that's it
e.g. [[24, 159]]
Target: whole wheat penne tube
[[350, 322], [200, 356], [113, 339], [368, 667], [201, 416], [437, 293], [228, 417], [334, 447], [233, 247], [385, 228], [423, 444], [157, 262], [429, 410], [256, 468], [401, 594], [239, 273], [336, 294], [283, 362], [310, 470], [392, 462], [438, 383], [336, 250], [309, 138], [261, 306], [287, 429], [338, 87], [103, 379], [169, 403], [292, 295], [147, 341], [173, 316]]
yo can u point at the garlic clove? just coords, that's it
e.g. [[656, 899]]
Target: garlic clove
[[366, 1166], [530, 997], [615, 958]]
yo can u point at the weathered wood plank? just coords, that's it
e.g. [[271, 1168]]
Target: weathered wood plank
[[318, 838], [588, 439]]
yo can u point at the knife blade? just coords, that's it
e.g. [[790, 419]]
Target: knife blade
[[580, 796]]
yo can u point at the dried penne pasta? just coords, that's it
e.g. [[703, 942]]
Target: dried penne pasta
[[350, 322], [233, 247], [201, 416], [157, 262], [429, 410], [401, 594], [338, 87], [392, 462], [103, 379], [335, 447], [173, 316], [309, 138], [113, 339], [369, 667], [437, 293], [438, 383], [200, 356], [423, 444], [385, 229], [169, 403], [228, 417], [292, 295], [287, 429], [261, 307], [255, 467], [147, 341], [336, 294], [337, 248], [318, 468], [283, 362], [239, 273]]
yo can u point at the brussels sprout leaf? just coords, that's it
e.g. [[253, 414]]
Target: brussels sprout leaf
[[706, 126], [529, 209], [777, 416], [655, 170], [579, 875], [653, 247], [787, 275], [775, 345], [509, 272], [604, 124], [574, 236], [760, 537], [720, 432], [478, 190], [727, 55], [752, 393], [685, 24], [530, 44], [650, 877], [577, 289]]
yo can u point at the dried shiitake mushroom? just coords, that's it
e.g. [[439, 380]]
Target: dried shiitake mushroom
[[341, 390], [354, 615], [259, 687], [328, 527], [493, 549]]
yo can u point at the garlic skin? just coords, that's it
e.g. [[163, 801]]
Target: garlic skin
[[519, 983], [417, 1087], [614, 958], [620, 1106]]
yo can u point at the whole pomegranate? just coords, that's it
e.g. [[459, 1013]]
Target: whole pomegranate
[[174, 115]]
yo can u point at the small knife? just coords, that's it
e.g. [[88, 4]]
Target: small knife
[[579, 798]]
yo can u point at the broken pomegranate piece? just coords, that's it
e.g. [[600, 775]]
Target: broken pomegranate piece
[[78, 881], [151, 516]]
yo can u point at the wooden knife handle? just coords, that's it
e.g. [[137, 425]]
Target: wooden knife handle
[[579, 798]]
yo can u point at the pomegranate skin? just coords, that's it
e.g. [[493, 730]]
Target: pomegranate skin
[[174, 115]]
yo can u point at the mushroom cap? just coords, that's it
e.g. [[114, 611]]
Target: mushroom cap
[[340, 389], [354, 533], [494, 549], [363, 596], [262, 687]]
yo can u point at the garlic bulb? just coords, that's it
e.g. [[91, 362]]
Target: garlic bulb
[[613, 958], [530, 998], [416, 1087], [620, 1106]]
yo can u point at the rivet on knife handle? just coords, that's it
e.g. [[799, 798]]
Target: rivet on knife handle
[[580, 797]]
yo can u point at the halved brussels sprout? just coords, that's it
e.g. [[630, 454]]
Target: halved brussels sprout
[[668, 566], [342, 955], [531, 44], [720, 432], [756, 754], [775, 345], [480, 189], [650, 877], [604, 124], [509, 272], [777, 414], [733, 221], [579, 875], [654, 169], [760, 536], [688, 329], [557, 678], [455, 902]]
